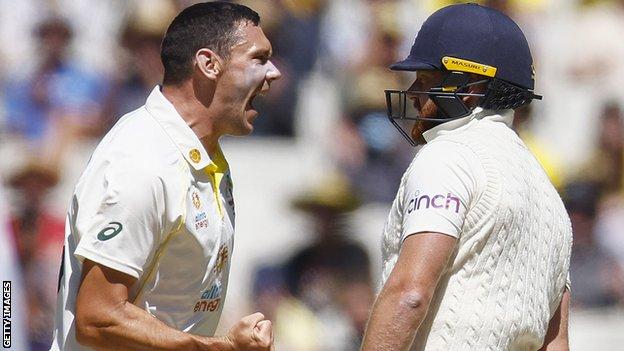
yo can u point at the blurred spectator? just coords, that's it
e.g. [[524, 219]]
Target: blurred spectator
[[610, 227], [39, 239], [296, 326], [298, 38], [10, 271], [599, 63], [343, 35], [597, 280], [349, 43], [369, 149], [331, 276], [141, 69], [606, 164], [293, 28], [60, 101], [523, 117], [606, 168]]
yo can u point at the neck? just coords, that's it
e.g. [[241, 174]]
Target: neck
[[195, 109]]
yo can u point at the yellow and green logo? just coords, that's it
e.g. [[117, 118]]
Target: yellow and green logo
[[110, 231]]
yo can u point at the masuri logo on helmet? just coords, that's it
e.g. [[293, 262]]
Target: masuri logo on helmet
[[457, 64]]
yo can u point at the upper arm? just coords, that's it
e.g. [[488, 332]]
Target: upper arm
[[556, 338], [421, 263], [442, 183], [101, 291], [120, 216]]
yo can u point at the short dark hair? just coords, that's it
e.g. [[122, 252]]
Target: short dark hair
[[211, 25]]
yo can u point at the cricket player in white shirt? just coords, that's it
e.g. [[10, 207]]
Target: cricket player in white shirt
[[477, 245], [150, 231]]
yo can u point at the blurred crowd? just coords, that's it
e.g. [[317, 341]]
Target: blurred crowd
[[74, 67]]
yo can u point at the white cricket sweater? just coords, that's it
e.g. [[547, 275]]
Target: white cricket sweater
[[477, 181]]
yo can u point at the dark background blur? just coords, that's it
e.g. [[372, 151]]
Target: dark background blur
[[315, 181]]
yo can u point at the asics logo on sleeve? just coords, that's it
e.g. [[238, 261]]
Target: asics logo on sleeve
[[110, 231], [448, 202]]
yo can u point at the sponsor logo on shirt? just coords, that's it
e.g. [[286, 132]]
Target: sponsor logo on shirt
[[110, 231], [201, 221], [447, 202], [210, 299], [222, 258], [196, 201], [213, 293]]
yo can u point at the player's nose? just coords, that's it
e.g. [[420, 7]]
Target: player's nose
[[415, 101], [272, 72]]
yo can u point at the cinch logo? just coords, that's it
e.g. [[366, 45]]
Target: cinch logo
[[436, 201]]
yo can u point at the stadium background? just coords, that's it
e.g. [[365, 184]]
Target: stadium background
[[315, 181]]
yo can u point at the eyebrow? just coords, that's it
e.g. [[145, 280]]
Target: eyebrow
[[263, 52], [423, 75]]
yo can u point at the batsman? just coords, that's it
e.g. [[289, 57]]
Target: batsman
[[476, 248]]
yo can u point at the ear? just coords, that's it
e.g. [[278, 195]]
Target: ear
[[468, 99], [474, 89], [208, 63]]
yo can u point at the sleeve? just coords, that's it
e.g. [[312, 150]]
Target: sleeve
[[124, 227], [441, 183], [568, 283]]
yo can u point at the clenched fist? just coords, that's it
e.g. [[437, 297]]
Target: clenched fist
[[252, 333]]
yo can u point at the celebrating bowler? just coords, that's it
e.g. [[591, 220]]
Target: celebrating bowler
[[150, 231]]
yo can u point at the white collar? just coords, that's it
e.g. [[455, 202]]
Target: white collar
[[504, 116], [182, 135]]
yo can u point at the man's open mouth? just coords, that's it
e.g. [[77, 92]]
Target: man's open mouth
[[250, 105], [250, 102]]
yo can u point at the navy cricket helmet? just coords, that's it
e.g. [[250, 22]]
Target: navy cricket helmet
[[460, 40]]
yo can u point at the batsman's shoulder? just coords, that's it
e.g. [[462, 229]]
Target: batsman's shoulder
[[440, 151]]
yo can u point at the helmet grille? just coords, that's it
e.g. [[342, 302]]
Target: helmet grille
[[502, 95]]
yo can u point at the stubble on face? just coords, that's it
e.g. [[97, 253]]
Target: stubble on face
[[425, 106]]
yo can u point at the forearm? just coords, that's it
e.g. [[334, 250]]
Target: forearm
[[129, 328], [556, 338], [394, 320]]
